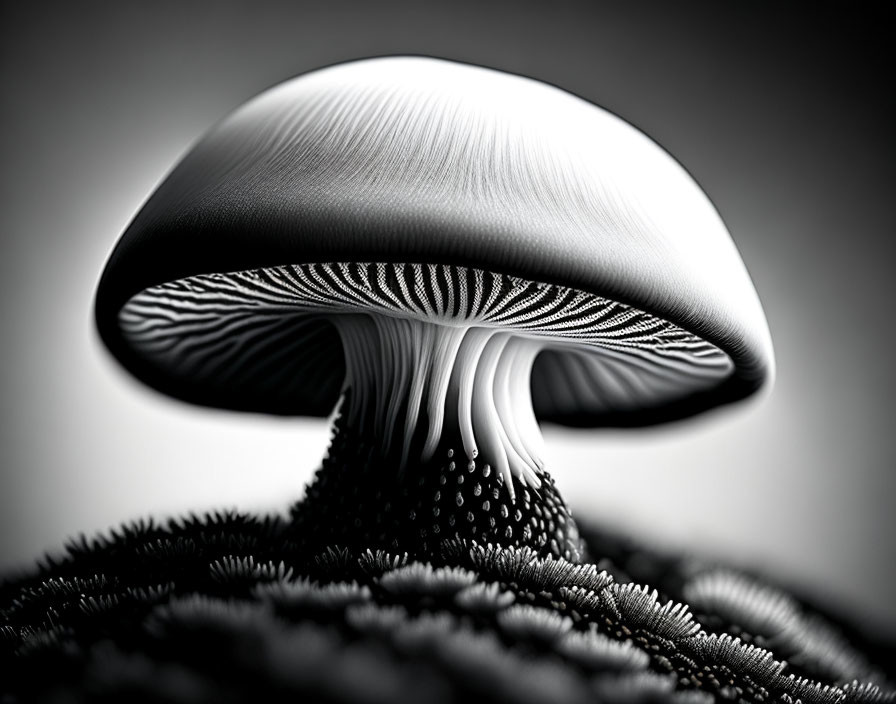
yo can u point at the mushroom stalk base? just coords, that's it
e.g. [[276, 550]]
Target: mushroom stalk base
[[359, 499]]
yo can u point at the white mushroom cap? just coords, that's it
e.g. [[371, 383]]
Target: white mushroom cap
[[419, 161]]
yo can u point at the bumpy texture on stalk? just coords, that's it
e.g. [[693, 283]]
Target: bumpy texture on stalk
[[358, 500]]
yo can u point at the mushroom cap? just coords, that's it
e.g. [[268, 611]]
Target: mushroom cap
[[421, 160]]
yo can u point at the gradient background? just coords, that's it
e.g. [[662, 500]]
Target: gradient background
[[784, 113]]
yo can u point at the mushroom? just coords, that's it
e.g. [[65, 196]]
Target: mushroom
[[453, 251]]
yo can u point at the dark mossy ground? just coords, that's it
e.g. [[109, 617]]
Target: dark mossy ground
[[233, 607]]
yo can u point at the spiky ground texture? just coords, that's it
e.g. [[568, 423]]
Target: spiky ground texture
[[233, 607]]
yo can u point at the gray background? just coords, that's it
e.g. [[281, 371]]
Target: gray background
[[784, 115]]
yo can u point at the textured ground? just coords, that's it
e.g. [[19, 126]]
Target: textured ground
[[234, 607]]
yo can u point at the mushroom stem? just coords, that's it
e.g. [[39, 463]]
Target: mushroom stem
[[467, 378], [415, 392]]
